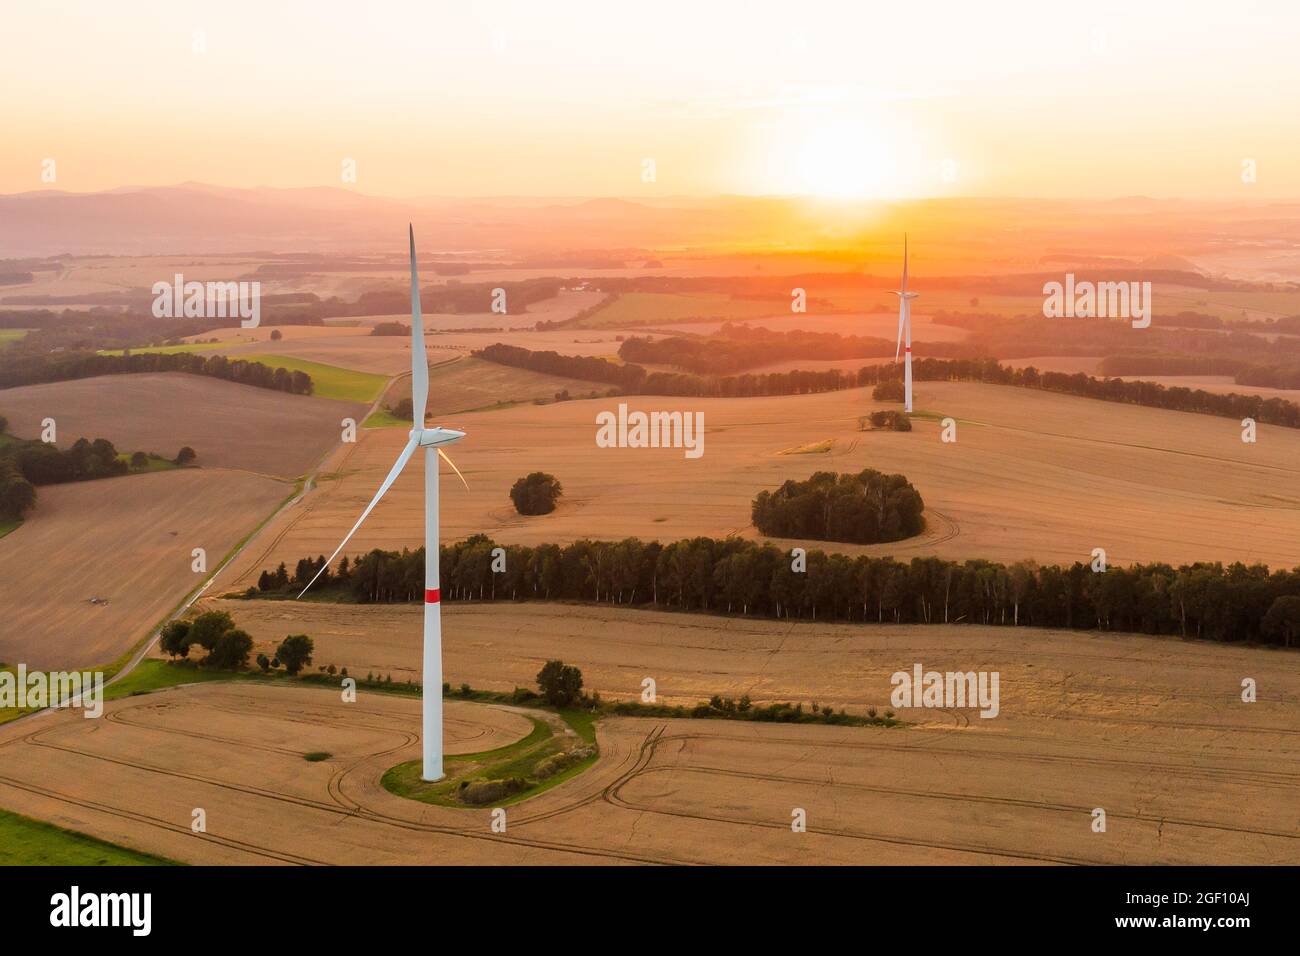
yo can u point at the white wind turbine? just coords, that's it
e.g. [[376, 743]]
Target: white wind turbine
[[431, 440], [905, 332]]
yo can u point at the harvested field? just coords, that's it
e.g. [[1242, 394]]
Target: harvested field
[[1032, 475], [228, 425], [125, 541], [1150, 730], [466, 384]]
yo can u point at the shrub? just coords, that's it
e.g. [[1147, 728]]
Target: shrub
[[560, 684], [295, 652]]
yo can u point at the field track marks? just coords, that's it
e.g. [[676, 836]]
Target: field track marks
[[971, 798], [135, 817], [612, 795]]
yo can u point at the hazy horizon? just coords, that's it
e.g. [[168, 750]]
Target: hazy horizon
[[509, 100]]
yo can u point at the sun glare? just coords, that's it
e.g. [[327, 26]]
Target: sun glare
[[830, 159]]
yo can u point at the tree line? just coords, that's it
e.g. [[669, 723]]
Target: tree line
[[35, 369], [1235, 603], [633, 380], [865, 508]]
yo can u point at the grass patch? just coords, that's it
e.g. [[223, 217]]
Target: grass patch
[[505, 775], [383, 418], [28, 842], [155, 463], [7, 526], [329, 381], [12, 335]]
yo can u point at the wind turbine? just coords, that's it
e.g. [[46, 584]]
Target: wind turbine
[[431, 440], [905, 332]]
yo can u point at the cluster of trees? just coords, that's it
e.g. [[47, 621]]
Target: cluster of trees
[[865, 508], [1210, 601], [227, 646], [536, 493], [887, 420], [24, 464], [391, 328], [32, 369]]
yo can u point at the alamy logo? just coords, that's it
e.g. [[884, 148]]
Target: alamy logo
[[946, 689], [38, 689], [1099, 300], [651, 430], [103, 909], [208, 300]]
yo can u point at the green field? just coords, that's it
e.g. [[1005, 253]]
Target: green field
[[27, 842], [328, 381], [12, 335], [7, 526], [168, 349]]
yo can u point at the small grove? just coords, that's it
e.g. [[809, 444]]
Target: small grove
[[1233, 603], [866, 508]]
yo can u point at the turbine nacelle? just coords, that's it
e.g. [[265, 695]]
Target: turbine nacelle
[[434, 437]]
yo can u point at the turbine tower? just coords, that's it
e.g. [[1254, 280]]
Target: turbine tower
[[431, 440], [905, 332]]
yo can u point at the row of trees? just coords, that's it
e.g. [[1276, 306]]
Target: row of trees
[[865, 508], [632, 379], [1233, 603], [32, 369]]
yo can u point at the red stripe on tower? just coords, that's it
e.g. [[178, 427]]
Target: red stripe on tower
[[431, 596]]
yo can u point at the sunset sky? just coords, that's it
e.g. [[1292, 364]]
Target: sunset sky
[[568, 98]]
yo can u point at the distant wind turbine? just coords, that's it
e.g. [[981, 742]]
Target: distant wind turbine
[[431, 440], [905, 332]]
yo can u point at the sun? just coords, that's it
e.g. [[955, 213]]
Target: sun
[[840, 159]]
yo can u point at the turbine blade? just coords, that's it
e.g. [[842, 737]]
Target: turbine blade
[[899, 344], [904, 262], [402, 459], [419, 361], [447, 458]]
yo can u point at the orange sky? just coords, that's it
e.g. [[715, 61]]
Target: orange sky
[[832, 99]]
